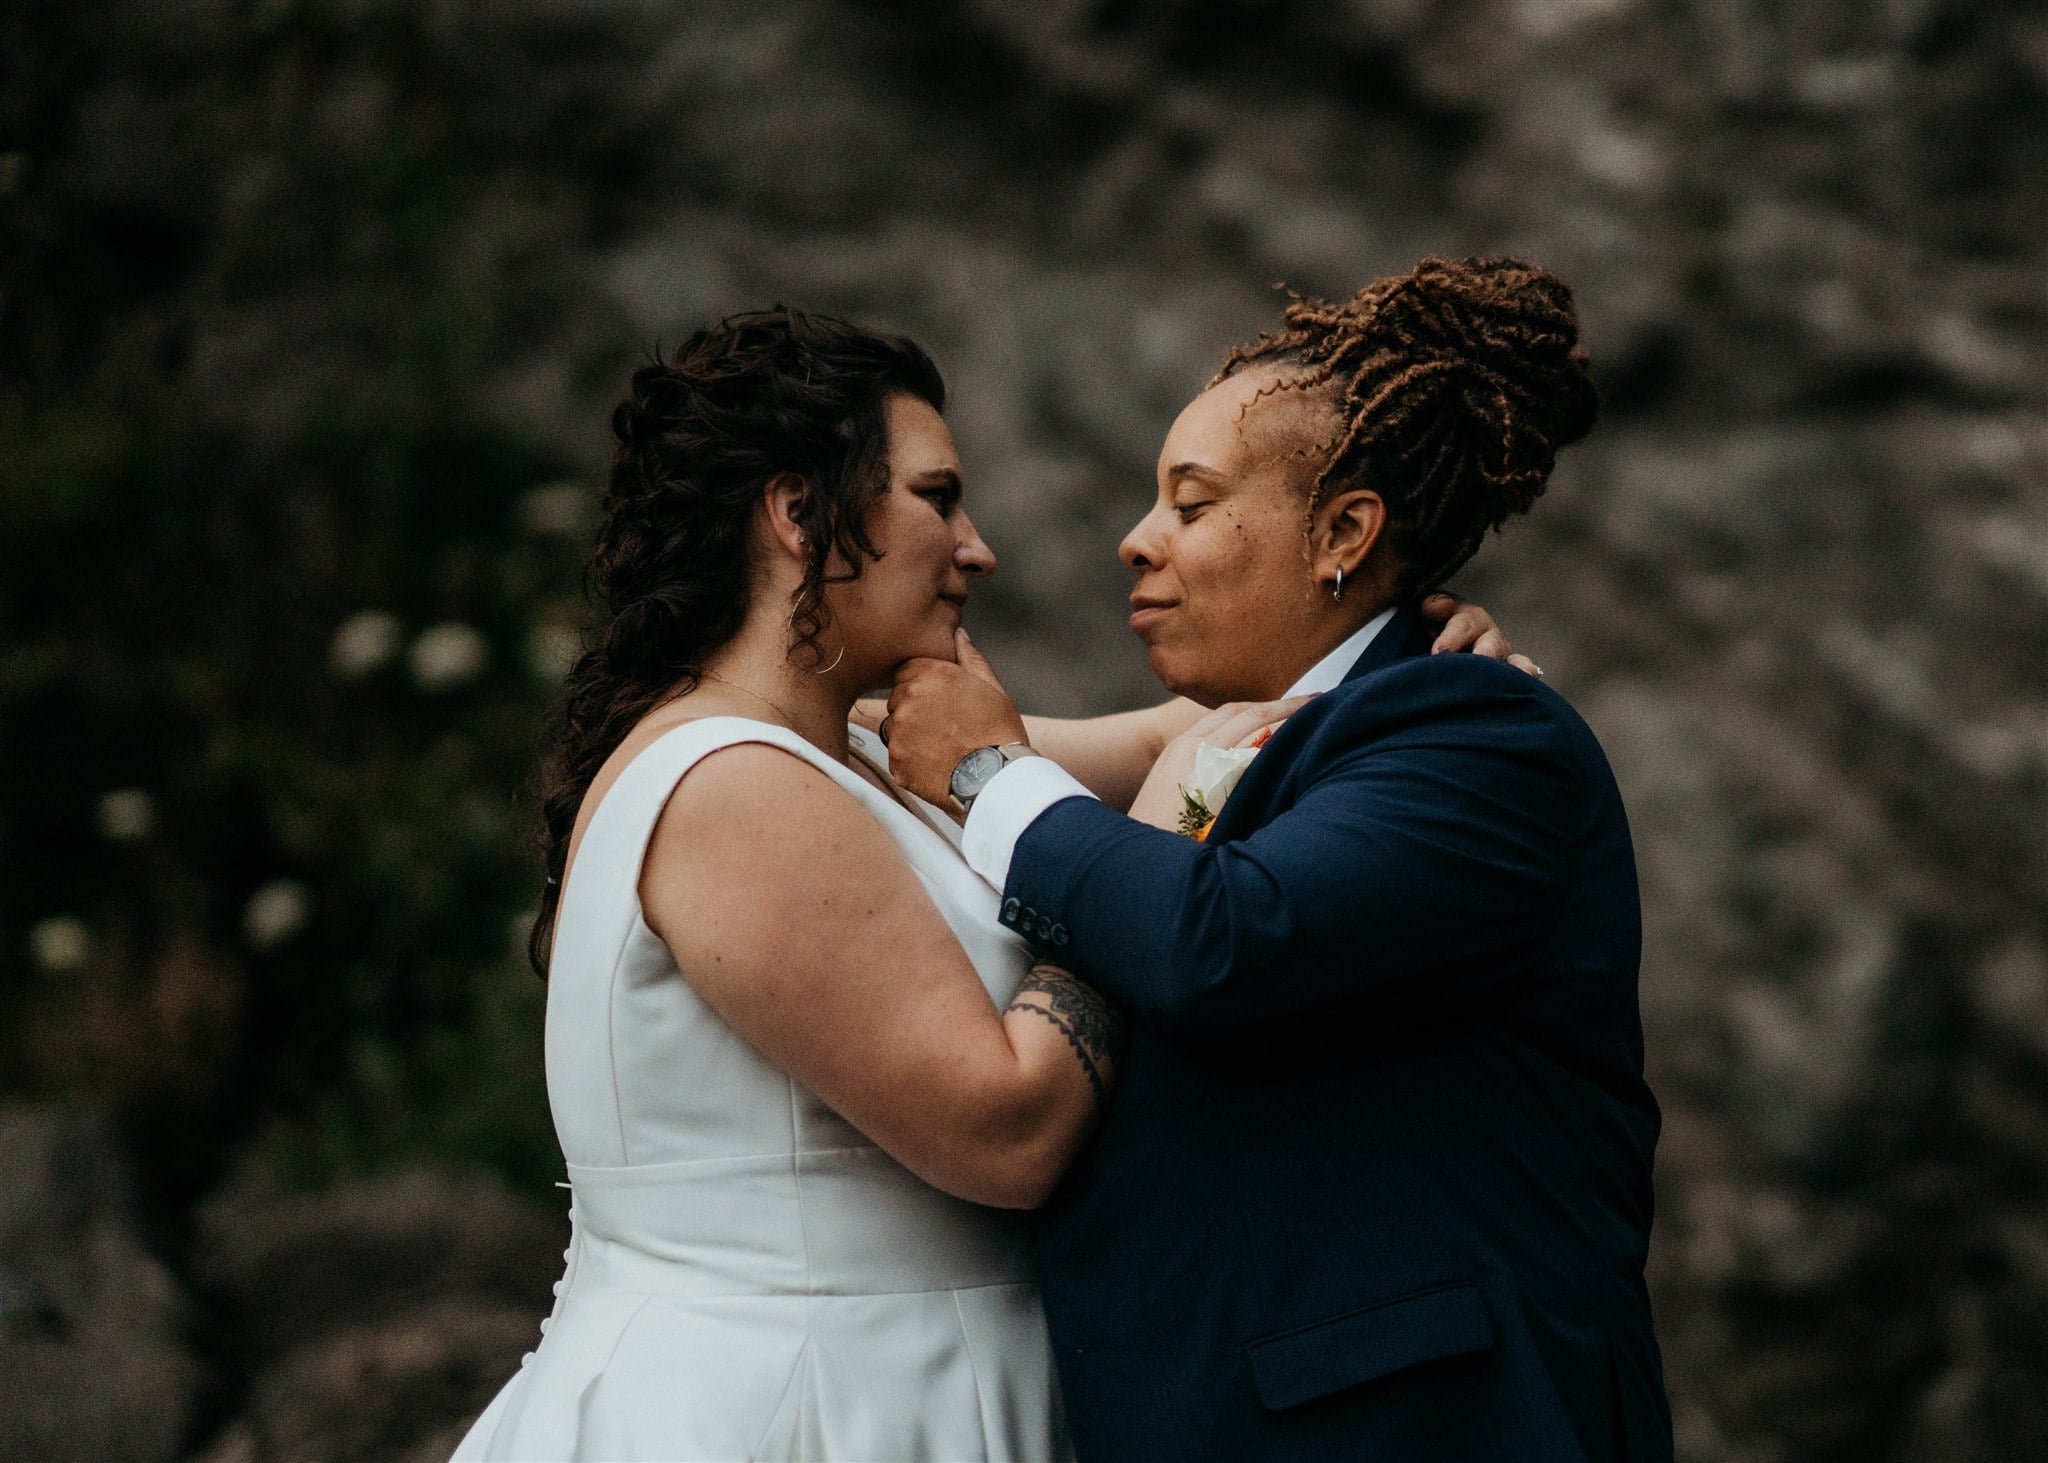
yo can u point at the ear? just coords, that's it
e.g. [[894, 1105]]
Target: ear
[[782, 498], [1348, 525]]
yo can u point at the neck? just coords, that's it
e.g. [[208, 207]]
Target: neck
[[1324, 636], [755, 667]]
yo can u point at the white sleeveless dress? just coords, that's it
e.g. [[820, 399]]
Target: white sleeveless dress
[[749, 1277]]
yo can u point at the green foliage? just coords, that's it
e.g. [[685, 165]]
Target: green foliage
[[337, 828], [283, 600]]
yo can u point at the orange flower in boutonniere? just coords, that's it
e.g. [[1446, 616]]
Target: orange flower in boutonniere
[[1216, 772]]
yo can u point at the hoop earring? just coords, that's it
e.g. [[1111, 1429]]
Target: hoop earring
[[796, 605], [1338, 591]]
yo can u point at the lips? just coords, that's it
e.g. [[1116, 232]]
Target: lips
[[1148, 612]]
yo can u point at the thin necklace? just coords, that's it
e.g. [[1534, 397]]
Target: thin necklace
[[778, 706]]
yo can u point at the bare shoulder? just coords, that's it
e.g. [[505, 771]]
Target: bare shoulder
[[650, 730], [755, 830], [749, 799], [776, 889]]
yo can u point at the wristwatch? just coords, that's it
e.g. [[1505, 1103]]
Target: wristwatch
[[978, 768]]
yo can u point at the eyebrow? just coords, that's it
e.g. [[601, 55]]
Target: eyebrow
[[940, 477], [1194, 470]]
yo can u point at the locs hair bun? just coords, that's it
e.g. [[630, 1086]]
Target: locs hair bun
[[1457, 383], [1514, 323]]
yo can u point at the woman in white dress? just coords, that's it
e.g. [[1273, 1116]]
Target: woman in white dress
[[802, 1077], [798, 1070]]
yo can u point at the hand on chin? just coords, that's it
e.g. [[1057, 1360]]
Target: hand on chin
[[939, 711]]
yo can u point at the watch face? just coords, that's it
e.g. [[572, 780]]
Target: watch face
[[974, 771]]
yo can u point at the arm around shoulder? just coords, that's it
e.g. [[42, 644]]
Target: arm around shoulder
[[1111, 755]]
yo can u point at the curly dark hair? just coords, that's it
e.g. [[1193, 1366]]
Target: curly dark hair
[[699, 435], [1456, 385]]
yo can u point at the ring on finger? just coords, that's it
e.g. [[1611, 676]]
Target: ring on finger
[[882, 730]]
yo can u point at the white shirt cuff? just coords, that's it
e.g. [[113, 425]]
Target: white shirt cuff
[[1013, 798]]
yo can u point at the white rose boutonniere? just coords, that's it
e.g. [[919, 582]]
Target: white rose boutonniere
[[1216, 772]]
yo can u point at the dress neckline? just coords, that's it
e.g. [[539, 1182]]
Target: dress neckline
[[894, 797], [899, 794]]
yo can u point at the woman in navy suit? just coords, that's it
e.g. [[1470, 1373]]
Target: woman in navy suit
[[1376, 1183]]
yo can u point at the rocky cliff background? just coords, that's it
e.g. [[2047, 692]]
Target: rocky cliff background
[[311, 313]]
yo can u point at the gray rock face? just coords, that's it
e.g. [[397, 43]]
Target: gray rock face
[[290, 1269], [376, 1319], [402, 1388], [92, 1325]]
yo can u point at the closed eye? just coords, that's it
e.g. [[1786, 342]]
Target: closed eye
[[1188, 510], [941, 488]]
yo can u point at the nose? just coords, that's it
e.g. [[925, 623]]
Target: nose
[[1140, 549], [970, 553]]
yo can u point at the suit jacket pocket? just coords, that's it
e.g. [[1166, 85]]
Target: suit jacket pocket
[[1365, 1345]]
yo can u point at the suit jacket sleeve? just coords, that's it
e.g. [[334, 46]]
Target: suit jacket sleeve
[[1428, 819]]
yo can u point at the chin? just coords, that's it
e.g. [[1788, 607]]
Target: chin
[[1179, 678], [934, 644], [1207, 684]]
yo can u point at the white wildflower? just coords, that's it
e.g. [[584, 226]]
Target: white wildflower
[[560, 509], [448, 655], [275, 913], [61, 942], [127, 815], [364, 643], [551, 649]]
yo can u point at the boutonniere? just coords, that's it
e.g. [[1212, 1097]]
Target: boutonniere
[[1216, 772]]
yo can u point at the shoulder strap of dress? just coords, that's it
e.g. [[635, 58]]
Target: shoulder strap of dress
[[603, 892]]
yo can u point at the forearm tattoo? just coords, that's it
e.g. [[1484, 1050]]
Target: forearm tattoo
[[1093, 1027]]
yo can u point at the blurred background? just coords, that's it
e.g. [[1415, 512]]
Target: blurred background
[[311, 316]]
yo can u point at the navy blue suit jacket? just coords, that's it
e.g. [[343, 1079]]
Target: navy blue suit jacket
[[1375, 1182]]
